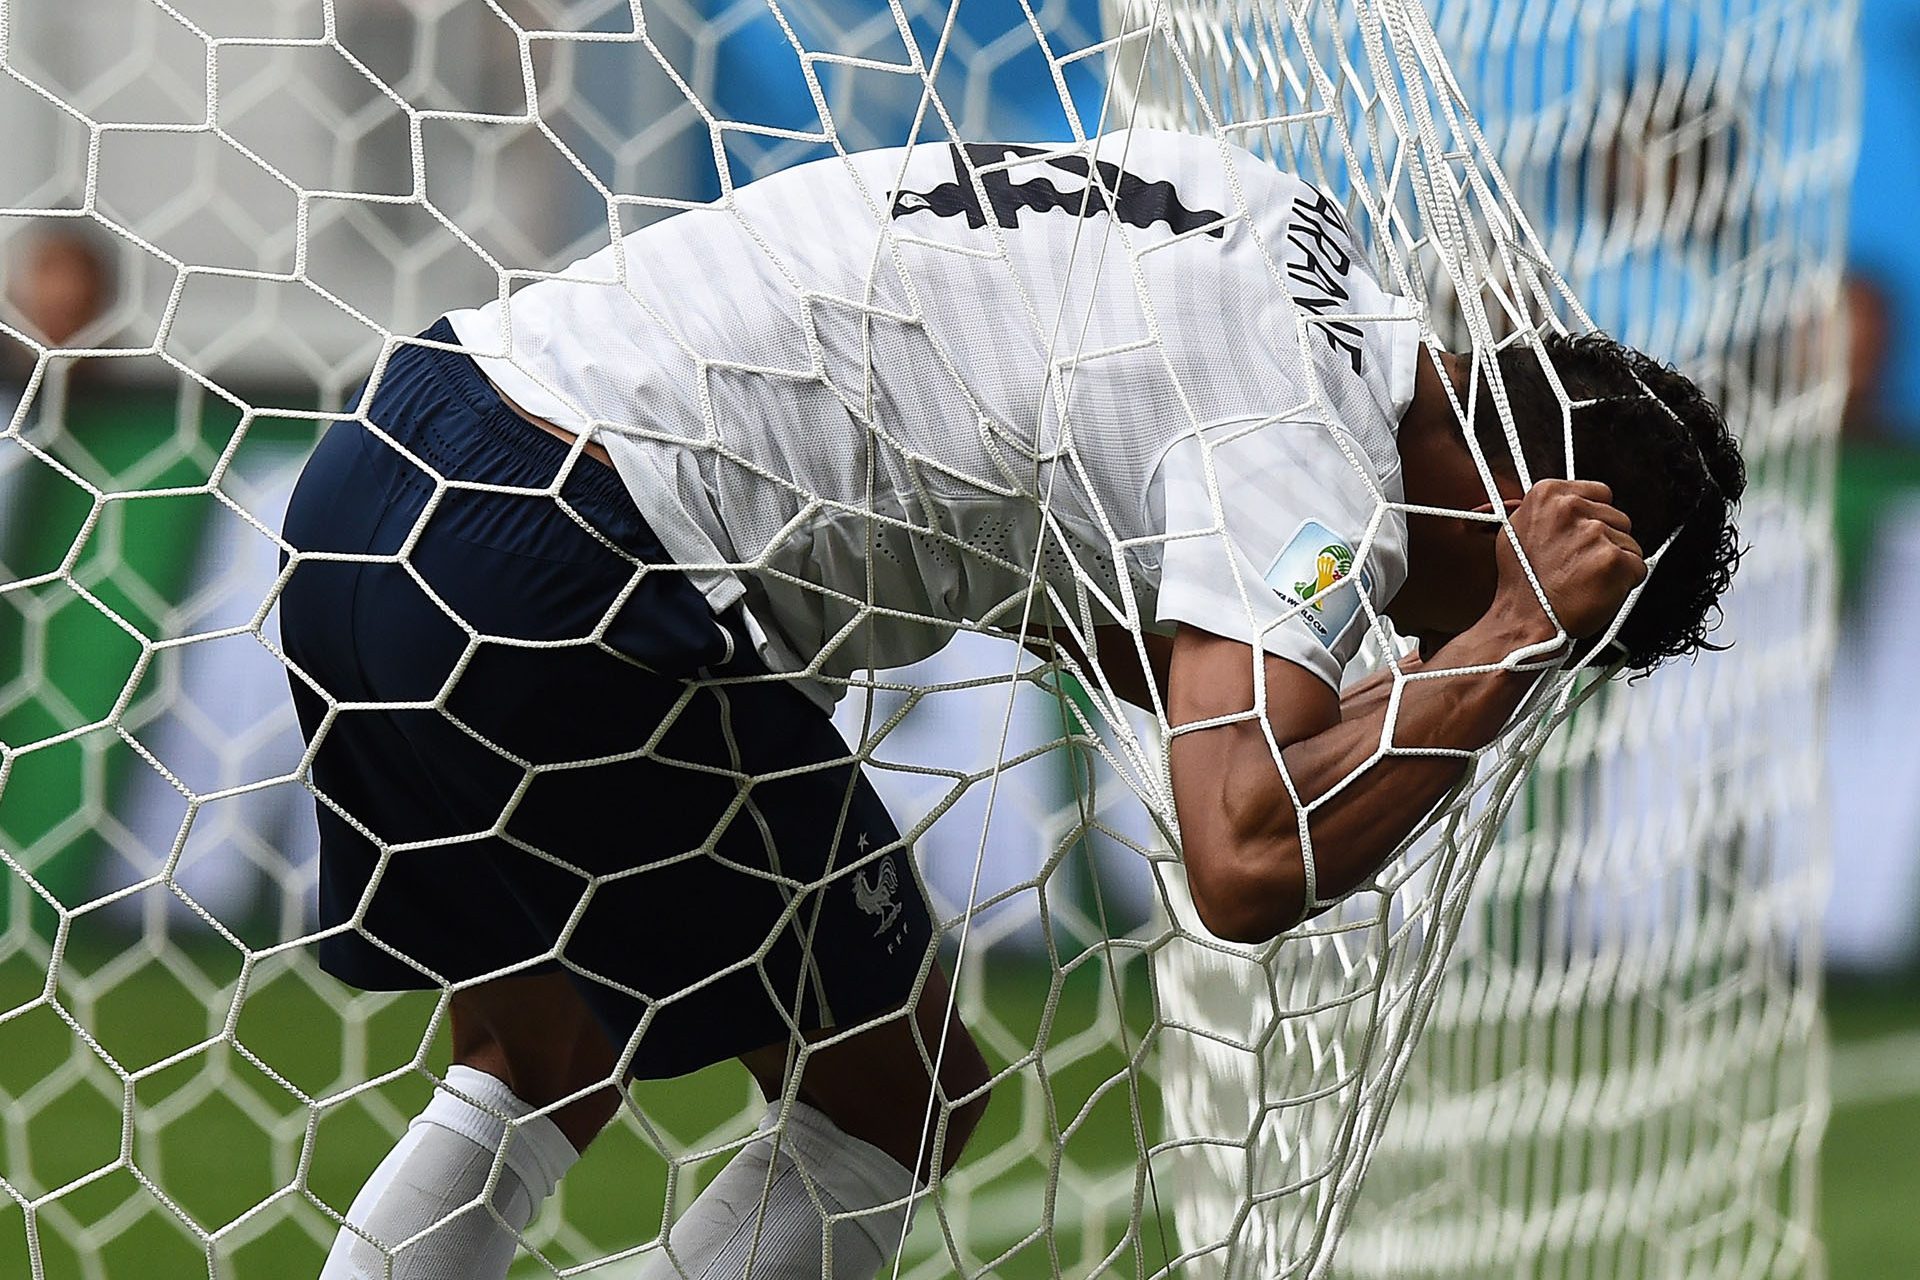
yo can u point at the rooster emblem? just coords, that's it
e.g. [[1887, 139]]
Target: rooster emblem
[[879, 898]]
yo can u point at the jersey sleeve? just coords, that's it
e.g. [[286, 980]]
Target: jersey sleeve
[[1271, 536]]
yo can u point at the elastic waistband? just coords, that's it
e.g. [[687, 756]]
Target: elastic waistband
[[458, 375]]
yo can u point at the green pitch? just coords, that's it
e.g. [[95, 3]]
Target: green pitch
[[1870, 1180], [222, 1130]]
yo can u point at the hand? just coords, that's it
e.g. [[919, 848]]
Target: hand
[[1582, 550]]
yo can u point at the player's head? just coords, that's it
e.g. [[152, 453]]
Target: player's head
[[1650, 435]]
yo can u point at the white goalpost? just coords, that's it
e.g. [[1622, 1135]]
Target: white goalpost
[[1571, 1031]]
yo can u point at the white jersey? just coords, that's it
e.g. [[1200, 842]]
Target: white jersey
[[886, 388]]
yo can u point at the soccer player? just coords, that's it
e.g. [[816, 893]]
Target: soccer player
[[576, 586]]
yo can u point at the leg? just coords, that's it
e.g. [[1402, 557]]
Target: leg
[[875, 1085], [829, 1194], [429, 1211], [535, 1033]]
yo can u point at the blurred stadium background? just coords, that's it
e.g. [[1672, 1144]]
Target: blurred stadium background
[[248, 859]]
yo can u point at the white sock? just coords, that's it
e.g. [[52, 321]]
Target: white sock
[[724, 1231], [437, 1174]]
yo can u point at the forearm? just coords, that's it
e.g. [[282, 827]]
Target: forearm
[[1372, 693], [1272, 833], [1280, 874], [1447, 707]]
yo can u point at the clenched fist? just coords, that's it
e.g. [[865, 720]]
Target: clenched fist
[[1582, 550]]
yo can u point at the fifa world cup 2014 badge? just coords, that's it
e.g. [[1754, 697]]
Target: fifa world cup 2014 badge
[[1333, 563], [1310, 574]]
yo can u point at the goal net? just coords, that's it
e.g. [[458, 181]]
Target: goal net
[[1589, 980], [1618, 1069]]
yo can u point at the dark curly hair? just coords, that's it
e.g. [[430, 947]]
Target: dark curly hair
[[1649, 434]]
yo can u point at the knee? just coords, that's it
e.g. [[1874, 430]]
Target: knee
[[541, 1080], [545, 1052]]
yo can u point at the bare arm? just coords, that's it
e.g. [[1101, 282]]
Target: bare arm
[[1238, 824], [1239, 828], [1120, 665]]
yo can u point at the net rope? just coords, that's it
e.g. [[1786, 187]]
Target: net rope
[[1588, 978], [1621, 1072]]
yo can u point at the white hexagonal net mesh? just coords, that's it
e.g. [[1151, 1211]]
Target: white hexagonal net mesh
[[219, 218]]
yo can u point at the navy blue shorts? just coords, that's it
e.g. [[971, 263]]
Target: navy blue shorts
[[623, 800]]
